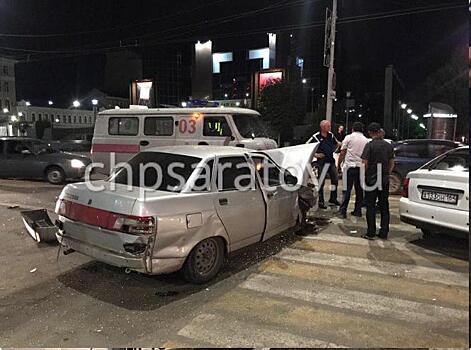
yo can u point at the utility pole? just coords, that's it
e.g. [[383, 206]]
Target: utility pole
[[329, 53]]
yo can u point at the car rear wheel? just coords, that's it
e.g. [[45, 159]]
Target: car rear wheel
[[55, 175], [395, 183], [204, 261]]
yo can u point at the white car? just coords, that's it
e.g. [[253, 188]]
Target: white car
[[190, 227], [436, 196]]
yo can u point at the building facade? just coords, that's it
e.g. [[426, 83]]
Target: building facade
[[7, 84]]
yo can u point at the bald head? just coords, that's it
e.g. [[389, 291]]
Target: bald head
[[325, 126]]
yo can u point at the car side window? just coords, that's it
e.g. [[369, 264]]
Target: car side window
[[233, 172], [158, 126], [123, 126], [412, 150], [436, 150], [269, 173], [216, 126], [15, 147], [203, 182]]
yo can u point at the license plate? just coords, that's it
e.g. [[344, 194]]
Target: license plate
[[440, 197]]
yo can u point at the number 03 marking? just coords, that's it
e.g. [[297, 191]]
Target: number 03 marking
[[187, 127]]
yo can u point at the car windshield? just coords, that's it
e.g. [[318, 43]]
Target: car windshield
[[250, 125], [453, 161], [157, 170], [40, 147]]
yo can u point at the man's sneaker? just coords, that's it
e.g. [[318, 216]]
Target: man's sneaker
[[334, 201], [366, 236], [342, 214], [383, 236], [357, 214], [322, 206]]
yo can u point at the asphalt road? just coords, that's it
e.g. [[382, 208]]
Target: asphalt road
[[329, 289]]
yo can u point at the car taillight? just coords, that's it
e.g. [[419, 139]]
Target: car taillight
[[61, 210], [405, 188], [135, 225]]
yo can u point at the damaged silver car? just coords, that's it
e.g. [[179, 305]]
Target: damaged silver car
[[186, 217]]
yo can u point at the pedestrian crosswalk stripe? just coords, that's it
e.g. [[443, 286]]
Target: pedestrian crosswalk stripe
[[422, 291], [227, 331], [393, 269], [389, 254], [433, 316], [322, 322]]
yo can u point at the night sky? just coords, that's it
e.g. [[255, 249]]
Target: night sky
[[417, 44]]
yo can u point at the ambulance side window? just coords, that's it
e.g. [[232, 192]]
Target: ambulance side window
[[216, 126], [158, 126], [123, 126]]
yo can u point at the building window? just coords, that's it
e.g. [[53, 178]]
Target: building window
[[7, 104], [70, 119], [64, 119], [75, 119], [80, 119], [33, 117], [6, 87], [40, 117], [5, 70], [51, 118]]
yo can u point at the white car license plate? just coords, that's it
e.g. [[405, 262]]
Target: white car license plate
[[440, 197]]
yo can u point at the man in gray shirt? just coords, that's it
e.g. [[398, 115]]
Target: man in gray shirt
[[378, 159]]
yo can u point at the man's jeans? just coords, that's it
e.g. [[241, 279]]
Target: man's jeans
[[383, 204], [353, 180], [334, 181]]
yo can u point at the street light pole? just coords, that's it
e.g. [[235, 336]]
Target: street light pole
[[331, 73]]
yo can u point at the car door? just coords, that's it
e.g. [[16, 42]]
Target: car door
[[281, 202], [18, 160], [242, 212]]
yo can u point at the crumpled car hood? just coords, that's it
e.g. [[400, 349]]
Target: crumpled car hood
[[297, 159]]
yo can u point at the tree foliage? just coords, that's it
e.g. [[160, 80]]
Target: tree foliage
[[282, 107]]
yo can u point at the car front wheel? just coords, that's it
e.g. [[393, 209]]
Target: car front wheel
[[395, 183], [55, 175], [204, 261]]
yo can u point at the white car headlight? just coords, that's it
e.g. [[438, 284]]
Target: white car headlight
[[76, 163]]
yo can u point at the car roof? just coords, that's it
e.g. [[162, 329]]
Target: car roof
[[166, 111], [200, 151], [20, 138], [428, 141]]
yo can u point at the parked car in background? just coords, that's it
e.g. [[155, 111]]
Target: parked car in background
[[190, 227], [28, 158], [412, 154], [436, 197]]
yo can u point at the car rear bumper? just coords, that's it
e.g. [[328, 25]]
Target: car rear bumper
[[79, 237], [434, 218]]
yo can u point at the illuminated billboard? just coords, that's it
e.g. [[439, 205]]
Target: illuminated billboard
[[268, 78]]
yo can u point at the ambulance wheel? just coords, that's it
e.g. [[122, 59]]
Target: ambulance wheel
[[204, 261]]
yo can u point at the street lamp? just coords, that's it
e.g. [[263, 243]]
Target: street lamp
[[422, 125], [5, 110], [14, 118], [27, 103], [409, 111], [225, 95], [304, 81], [404, 105], [50, 103], [184, 104], [76, 104], [414, 116]]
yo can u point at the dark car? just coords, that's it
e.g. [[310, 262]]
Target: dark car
[[410, 155], [28, 158]]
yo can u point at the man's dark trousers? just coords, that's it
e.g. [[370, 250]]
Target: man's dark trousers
[[353, 180], [334, 181], [383, 203]]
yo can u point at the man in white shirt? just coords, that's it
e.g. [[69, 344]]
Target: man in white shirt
[[350, 162]]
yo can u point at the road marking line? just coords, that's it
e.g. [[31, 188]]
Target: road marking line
[[375, 304], [222, 331], [361, 264]]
